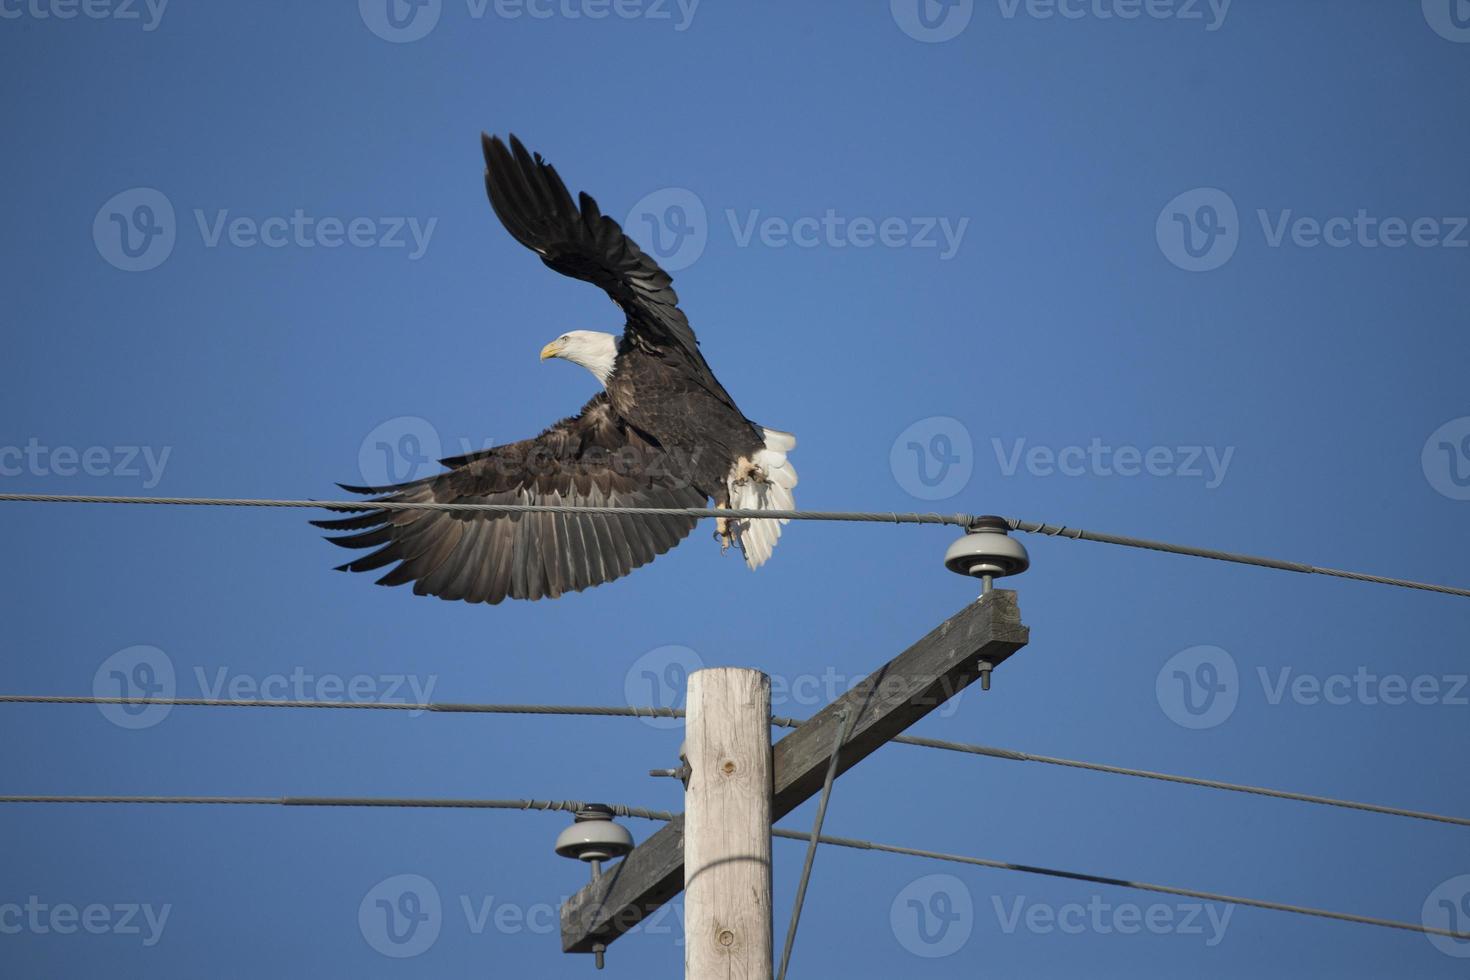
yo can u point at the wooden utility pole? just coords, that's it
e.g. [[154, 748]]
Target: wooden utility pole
[[889, 700], [727, 825]]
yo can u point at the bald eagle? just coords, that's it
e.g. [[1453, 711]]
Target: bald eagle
[[662, 432]]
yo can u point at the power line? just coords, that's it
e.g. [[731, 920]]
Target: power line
[[664, 815], [987, 751], [1125, 883], [438, 706], [816, 836], [1078, 534], [1280, 794], [571, 806], [959, 520]]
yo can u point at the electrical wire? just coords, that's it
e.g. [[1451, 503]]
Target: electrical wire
[[811, 851], [987, 751], [664, 815], [1125, 883], [959, 520], [571, 806]]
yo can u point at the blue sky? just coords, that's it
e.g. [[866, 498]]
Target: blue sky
[[1181, 270]]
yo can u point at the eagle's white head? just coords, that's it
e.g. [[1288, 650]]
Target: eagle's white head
[[595, 351]]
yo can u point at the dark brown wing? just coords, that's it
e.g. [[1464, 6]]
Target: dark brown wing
[[592, 459], [578, 240]]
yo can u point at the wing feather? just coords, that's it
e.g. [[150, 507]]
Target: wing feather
[[487, 557], [578, 240]]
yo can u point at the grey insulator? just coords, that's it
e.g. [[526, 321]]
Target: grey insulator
[[988, 551], [594, 836]]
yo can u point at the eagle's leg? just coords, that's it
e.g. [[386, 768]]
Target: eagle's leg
[[728, 529], [723, 532]]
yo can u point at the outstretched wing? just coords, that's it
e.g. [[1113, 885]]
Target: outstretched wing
[[578, 240], [592, 459]]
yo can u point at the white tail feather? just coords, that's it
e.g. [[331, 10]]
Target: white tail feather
[[758, 537]]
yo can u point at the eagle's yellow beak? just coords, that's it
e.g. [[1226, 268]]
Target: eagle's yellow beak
[[551, 350]]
